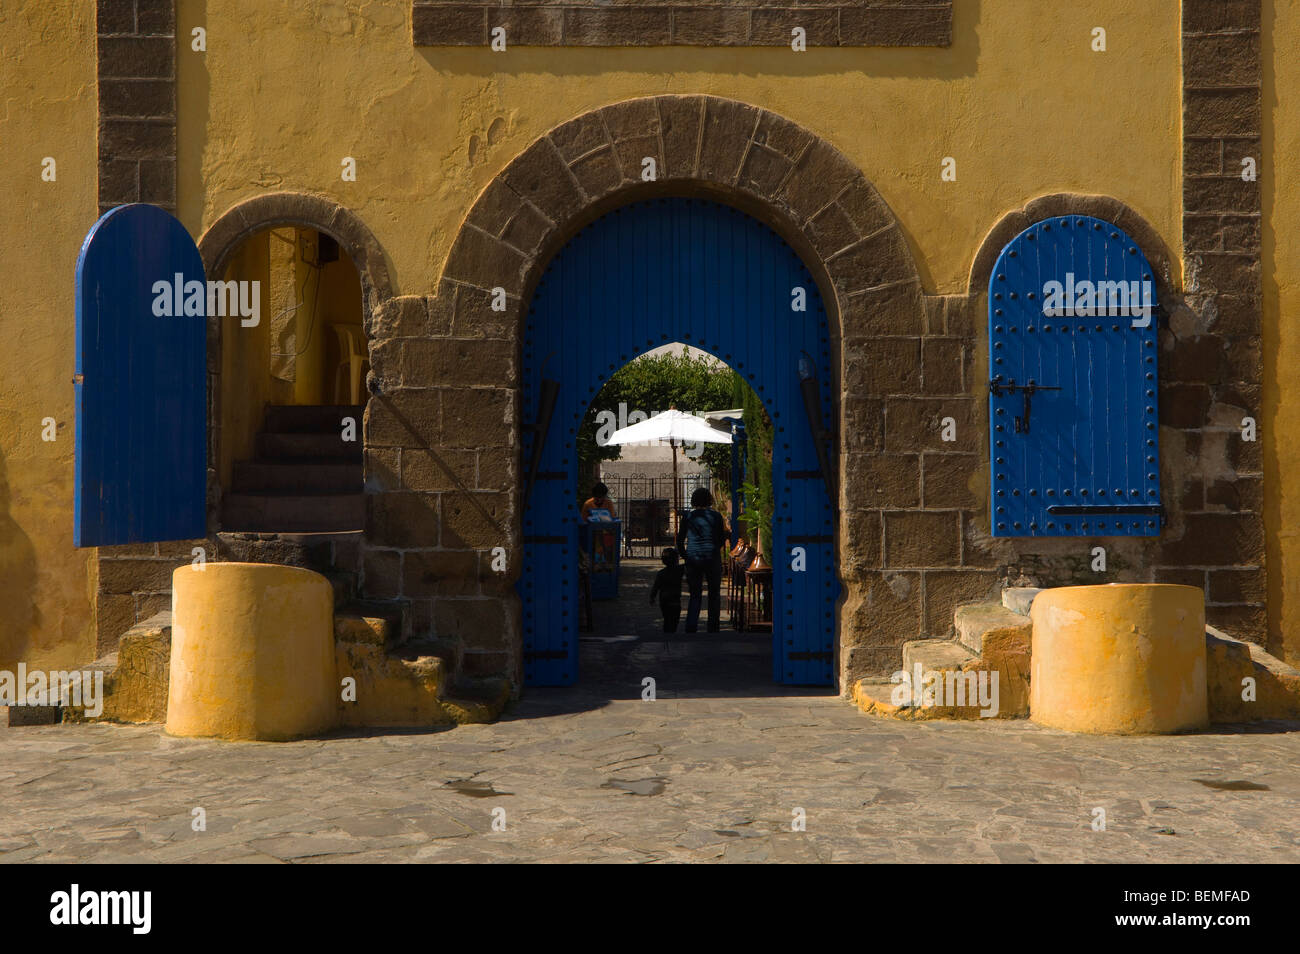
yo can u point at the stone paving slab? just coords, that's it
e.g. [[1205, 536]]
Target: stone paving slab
[[655, 781], [712, 771]]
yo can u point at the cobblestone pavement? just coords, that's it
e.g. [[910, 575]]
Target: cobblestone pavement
[[713, 770]]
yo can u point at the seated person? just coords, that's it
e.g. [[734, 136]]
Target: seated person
[[599, 500]]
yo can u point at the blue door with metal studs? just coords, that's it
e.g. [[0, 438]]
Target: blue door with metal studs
[[1072, 384], [705, 274], [141, 381]]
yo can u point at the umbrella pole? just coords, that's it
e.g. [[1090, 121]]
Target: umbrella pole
[[677, 495]]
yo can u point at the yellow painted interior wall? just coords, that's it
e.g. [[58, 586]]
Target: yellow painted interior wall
[[246, 381], [309, 340], [339, 307], [47, 108], [282, 253], [291, 355]]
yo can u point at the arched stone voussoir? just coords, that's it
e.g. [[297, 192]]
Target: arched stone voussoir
[[1103, 207], [482, 260], [724, 149], [223, 237]]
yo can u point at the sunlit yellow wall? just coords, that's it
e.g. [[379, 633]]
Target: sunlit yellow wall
[[1020, 101], [1279, 171], [47, 108]]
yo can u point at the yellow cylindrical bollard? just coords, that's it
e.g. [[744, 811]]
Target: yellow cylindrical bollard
[[1125, 658], [252, 652]]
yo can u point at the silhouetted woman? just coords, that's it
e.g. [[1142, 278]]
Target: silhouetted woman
[[700, 539]]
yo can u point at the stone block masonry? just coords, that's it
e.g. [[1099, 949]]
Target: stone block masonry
[[683, 23], [1213, 372], [136, 42]]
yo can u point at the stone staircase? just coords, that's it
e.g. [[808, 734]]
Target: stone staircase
[[990, 638], [305, 477], [997, 637], [399, 682]]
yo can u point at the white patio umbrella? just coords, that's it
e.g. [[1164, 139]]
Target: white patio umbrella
[[676, 427]]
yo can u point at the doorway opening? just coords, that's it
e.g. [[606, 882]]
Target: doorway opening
[[293, 388], [703, 274], [636, 604]]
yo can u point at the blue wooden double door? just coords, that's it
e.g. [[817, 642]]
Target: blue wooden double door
[[707, 275]]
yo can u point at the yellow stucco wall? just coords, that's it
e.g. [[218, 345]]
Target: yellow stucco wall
[[47, 108], [1020, 101], [1280, 418]]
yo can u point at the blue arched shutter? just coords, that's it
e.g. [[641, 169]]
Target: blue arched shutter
[[1073, 416], [141, 464]]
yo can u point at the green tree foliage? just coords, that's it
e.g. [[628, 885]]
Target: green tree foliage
[[654, 383], [757, 488]]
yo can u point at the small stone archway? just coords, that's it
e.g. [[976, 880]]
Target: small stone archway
[[224, 238], [225, 235], [1103, 207], [443, 436]]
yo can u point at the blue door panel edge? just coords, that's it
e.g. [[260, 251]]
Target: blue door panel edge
[[644, 275]]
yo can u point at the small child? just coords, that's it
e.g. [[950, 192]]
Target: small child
[[668, 587]]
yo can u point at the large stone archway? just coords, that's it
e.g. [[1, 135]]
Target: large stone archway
[[443, 432]]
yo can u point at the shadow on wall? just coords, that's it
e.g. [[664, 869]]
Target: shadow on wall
[[19, 617]]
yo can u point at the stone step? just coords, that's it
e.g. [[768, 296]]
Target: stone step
[[259, 476], [876, 697], [356, 621], [940, 655], [307, 448], [1228, 662], [403, 685], [310, 418], [33, 715], [396, 689], [477, 704], [974, 621], [293, 512], [136, 676], [325, 552], [1018, 599]]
